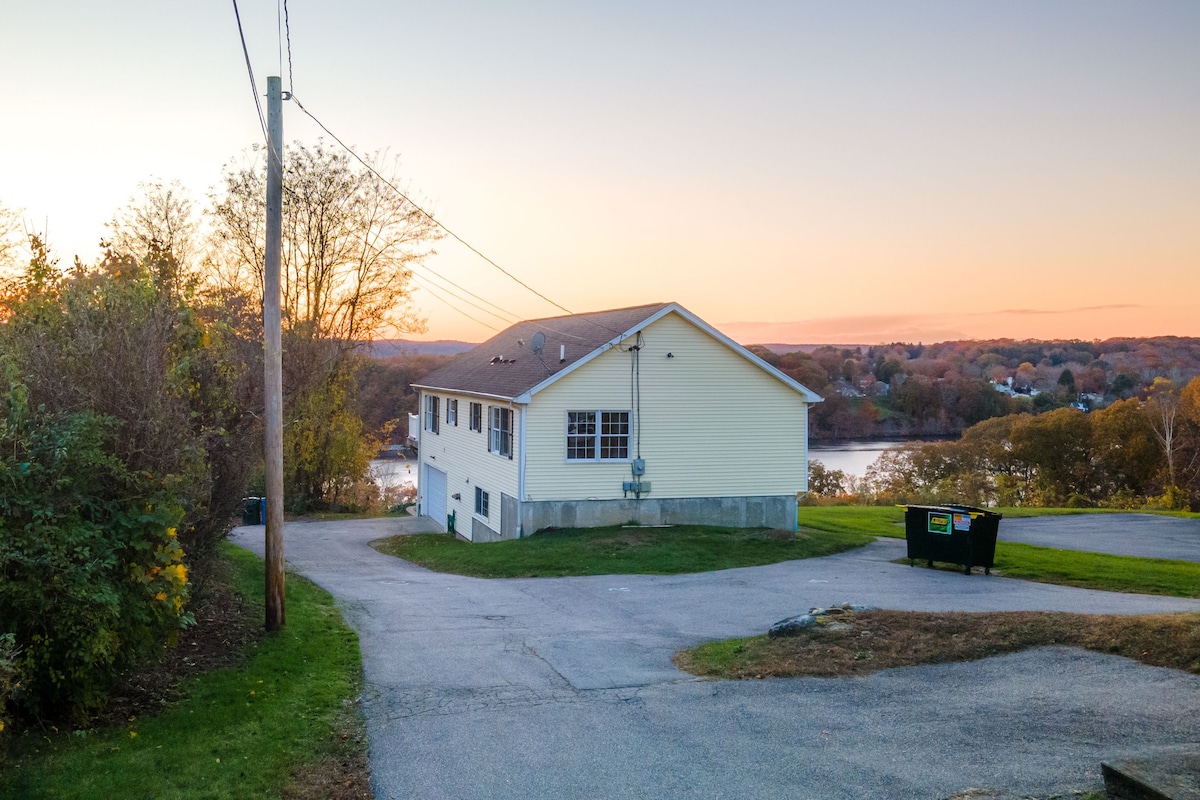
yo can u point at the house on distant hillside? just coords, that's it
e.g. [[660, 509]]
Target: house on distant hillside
[[646, 414]]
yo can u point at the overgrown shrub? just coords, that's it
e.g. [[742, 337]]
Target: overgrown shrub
[[91, 573], [132, 342]]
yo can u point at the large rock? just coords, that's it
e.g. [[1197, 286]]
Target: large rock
[[791, 626]]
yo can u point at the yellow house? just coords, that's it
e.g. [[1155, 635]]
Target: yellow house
[[644, 414]]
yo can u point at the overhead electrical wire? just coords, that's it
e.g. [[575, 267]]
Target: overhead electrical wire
[[290, 95], [287, 30], [433, 293], [426, 214], [500, 317], [262, 120], [454, 235]]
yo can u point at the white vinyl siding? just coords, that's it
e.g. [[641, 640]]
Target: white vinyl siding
[[695, 440], [463, 455]]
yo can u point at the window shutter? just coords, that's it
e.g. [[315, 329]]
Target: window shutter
[[511, 420]]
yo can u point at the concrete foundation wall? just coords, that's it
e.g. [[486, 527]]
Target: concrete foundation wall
[[480, 532], [736, 512]]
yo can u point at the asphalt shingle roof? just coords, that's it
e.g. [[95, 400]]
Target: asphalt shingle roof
[[481, 370]]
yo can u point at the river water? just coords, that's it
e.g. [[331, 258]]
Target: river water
[[389, 472], [852, 458]]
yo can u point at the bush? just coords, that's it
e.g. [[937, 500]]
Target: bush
[[91, 574]]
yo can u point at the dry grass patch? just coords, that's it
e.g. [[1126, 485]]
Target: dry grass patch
[[869, 641]]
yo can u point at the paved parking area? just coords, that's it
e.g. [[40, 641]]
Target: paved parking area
[[1144, 535], [564, 687]]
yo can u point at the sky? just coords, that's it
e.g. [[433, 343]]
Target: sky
[[794, 172]]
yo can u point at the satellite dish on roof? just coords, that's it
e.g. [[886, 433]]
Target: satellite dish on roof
[[538, 343]]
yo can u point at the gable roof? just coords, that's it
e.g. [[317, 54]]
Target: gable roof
[[505, 366]]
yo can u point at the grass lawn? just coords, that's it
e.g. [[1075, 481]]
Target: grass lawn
[[1029, 562], [274, 727], [1098, 570], [619, 551]]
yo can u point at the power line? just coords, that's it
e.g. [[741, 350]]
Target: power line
[[476, 305], [291, 96], [262, 120], [456, 308], [454, 235], [287, 29], [435, 273], [427, 215]]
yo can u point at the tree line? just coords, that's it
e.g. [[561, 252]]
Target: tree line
[[1139, 452], [943, 389], [132, 388]]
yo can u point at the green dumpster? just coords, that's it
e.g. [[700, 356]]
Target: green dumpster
[[954, 534]]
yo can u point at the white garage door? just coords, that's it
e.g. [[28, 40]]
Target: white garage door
[[433, 484]]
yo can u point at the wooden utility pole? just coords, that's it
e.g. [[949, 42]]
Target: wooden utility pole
[[273, 359]]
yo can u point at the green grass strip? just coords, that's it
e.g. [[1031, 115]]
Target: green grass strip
[[618, 551], [873, 520], [1098, 570], [239, 733], [1110, 573]]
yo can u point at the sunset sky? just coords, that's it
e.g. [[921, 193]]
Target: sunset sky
[[789, 171]]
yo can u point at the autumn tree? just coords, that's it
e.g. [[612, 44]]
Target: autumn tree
[[349, 241], [1162, 408], [10, 238], [1057, 446], [162, 219], [1128, 457]]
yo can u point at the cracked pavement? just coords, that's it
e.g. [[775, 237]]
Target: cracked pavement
[[564, 687]]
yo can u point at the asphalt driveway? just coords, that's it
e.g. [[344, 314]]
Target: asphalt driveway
[[564, 687], [1144, 535]]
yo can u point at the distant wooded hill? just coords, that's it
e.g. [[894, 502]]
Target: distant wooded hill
[[884, 390]]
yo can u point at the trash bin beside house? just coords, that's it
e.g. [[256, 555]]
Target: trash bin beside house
[[955, 534], [252, 510]]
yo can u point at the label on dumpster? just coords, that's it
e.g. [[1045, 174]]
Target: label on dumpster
[[939, 522], [962, 522]]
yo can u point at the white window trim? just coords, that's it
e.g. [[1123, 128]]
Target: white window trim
[[452, 411], [496, 413], [598, 435], [432, 404]]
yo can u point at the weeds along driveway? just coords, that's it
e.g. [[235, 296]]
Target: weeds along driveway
[[564, 687]]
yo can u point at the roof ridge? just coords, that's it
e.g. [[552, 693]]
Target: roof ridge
[[663, 304]]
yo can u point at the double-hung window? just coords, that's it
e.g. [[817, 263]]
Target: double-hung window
[[597, 435], [481, 502], [477, 417], [500, 431], [432, 401], [452, 411]]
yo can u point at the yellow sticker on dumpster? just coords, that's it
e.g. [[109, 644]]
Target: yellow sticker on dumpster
[[939, 522], [962, 522]]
